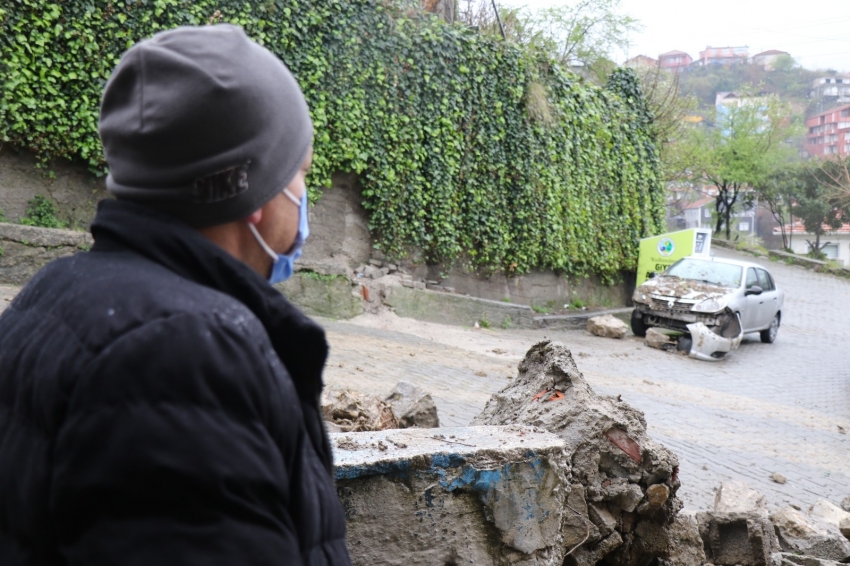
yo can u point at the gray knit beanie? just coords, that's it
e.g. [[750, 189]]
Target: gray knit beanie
[[204, 124]]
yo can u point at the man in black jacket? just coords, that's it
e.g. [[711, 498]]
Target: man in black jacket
[[158, 398]]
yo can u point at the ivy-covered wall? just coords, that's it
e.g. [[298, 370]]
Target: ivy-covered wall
[[468, 148]]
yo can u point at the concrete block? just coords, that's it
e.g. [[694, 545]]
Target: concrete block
[[473, 495], [737, 497], [745, 539]]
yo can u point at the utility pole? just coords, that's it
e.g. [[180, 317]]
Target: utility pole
[[498, 19]]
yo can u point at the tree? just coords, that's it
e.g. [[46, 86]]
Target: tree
[[585, 34], [669, 107], [818, 207], [778, 191], [747, 142]]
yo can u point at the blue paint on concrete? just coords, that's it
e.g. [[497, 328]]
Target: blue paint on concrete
[[398, 468]]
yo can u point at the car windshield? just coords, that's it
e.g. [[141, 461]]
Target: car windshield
[[723, 274]]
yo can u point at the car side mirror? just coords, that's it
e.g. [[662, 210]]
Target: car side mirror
[[754, 290]]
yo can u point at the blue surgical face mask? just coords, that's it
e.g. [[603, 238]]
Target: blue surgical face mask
[[283, 263]]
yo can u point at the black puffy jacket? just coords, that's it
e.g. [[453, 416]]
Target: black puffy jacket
[[159, 405]]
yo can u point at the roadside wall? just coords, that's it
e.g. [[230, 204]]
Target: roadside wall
[[339, 240]]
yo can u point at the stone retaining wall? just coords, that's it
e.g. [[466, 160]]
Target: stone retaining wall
[[26, 249]]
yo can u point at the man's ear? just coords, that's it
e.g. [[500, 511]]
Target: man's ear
[[255, 217]]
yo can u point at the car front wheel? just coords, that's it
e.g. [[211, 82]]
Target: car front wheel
[[768, 335], [638, 327]]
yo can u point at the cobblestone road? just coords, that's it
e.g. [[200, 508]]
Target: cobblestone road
[[782, 407]]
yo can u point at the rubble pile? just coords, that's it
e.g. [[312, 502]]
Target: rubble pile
[[406, 406], [740, 531], [622, 504]]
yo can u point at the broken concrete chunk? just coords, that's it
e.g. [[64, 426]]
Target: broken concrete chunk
[[353, 412], [474, 495], [376, 262], [729, 538], [578, 528], [656, 338], [602, 518], [412, 406], [612, 455], [589, 556], [790, 559], [737, 497], [809, 535], [832, 514], [845, 504], [778, 478], [686, 547], [624, 496], [607, 326]]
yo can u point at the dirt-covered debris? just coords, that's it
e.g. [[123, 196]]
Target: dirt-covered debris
[[352, 411], [614, 462], [406, 406]]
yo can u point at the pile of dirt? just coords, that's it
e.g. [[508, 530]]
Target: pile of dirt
[[622, 503]]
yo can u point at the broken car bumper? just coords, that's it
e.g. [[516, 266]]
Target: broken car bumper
[[712, 345]]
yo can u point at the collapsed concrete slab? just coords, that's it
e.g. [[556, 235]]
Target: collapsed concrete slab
[[474, 495], [613, 460]]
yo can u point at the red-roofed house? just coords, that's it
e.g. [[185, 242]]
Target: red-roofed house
[[837, 241], [724, 55], [675, 61]]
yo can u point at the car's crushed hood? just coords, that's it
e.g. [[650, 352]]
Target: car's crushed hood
[[686, 289]]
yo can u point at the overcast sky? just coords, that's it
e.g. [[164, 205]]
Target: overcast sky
[[815, 33]]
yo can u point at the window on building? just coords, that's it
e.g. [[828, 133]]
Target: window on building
[[843, 125], [830, 251], [743, 226], [845, 113]]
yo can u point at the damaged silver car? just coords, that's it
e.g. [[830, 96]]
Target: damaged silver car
[[713, 302]]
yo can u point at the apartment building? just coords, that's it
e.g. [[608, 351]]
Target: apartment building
[[829, 133], [723, 55]]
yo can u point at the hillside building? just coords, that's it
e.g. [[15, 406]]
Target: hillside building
[[828, 133]]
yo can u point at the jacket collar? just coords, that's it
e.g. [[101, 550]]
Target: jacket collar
[[299, 342]]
